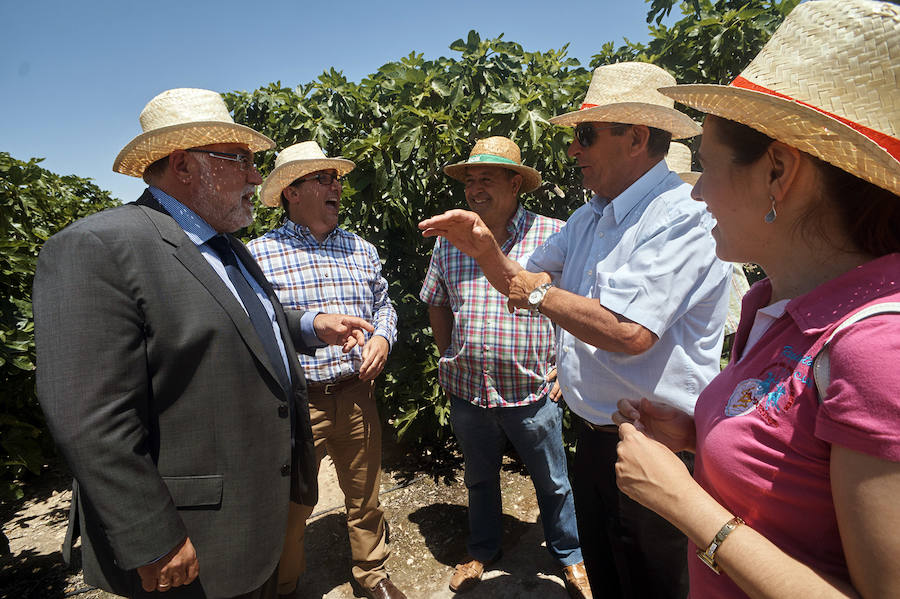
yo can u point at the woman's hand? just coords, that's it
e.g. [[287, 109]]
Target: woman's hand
[[648, 472], [670, 426]]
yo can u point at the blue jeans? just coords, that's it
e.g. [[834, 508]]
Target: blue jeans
[[535, 431]]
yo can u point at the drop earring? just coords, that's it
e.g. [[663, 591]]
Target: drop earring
[[771, 215]]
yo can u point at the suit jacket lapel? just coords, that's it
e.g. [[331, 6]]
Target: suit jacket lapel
[[190, 257]]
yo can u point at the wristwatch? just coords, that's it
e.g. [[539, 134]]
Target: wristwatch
[[536, 297], [708, 556]]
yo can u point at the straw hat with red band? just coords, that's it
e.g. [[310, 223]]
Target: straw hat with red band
[[497, 151], [626, 92], [827, 83], [178, 119]]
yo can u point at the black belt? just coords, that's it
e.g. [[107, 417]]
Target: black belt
[[334, 386]]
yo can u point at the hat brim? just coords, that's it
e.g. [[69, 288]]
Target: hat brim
[[690, 178], [287, 173], [531, 178], [796, 125], [668, 119], [147, 148]]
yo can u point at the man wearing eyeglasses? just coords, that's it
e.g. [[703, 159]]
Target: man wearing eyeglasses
[[167, 369], [314, 265], [639, 300]]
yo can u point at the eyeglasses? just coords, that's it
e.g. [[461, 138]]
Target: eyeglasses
[[245, 161], [586, 133], [322, 178]]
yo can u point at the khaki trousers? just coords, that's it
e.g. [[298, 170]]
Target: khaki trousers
[[345, 423]]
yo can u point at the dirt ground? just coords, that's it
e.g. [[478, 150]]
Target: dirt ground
[[424, 499]]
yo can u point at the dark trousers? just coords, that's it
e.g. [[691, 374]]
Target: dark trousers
[[629, 551]]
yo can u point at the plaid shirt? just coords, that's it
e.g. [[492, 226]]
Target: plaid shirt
[[495, 359], [340, 275]]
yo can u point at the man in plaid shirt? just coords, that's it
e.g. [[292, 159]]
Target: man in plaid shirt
[[317, 266], [497, 368]]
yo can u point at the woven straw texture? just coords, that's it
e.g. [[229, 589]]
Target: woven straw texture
[[842, 57], [183, 118], [502, 147], [679, 160], [297, 161], [626, 92]]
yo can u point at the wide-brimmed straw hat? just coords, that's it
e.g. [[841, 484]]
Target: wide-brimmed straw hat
[[626, 92], [826, 83], [679, 160], [296, 161], [497, 151], [179, 119]]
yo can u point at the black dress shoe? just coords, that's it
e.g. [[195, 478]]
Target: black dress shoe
[[385, 589]]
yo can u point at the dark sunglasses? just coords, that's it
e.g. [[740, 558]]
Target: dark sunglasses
[[322, 178], [586, 133]]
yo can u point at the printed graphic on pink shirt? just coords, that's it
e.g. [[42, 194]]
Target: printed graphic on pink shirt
[[775, 392]]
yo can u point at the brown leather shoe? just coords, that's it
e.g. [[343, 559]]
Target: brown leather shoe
[[385, 589], [577, 582], [467, 575]]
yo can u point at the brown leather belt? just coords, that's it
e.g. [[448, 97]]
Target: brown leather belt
[[334, 386]]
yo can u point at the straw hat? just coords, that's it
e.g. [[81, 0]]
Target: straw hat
[[679, 160], [626, 93], [826, 83], [179, 119], [294, 162], [497, 151]]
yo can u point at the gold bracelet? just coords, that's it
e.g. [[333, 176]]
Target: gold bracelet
[[709, 556]]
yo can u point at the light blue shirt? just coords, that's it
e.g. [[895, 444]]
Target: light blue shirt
[[647, 255], [199, 232]]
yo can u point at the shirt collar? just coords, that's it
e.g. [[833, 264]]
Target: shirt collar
[[626, 201], [818, 309], [197, 229], [815, 311], [516, 221], [303, 232]]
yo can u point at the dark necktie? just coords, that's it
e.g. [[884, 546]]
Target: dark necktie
[[258, 316]]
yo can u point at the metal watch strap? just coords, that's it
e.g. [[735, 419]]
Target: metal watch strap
[[708, 556], [544, 288]]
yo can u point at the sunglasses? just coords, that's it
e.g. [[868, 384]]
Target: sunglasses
[[322, 178], [586, 133]]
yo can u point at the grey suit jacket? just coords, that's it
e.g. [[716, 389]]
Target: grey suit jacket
[[163, 402]]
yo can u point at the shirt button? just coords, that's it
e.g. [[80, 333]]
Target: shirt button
[[285, 469], [283, 410], [600, 234]]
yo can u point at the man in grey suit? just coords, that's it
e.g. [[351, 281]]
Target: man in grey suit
[[167, 369]]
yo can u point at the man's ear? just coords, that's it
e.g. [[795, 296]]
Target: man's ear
[[517, 183], [180, 166], [640, 137]]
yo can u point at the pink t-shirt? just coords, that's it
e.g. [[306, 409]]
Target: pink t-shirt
[[763, 439]]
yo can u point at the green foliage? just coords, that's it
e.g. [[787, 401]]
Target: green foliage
[[34, 204], [405, 122], [402, 125], [712, 43]]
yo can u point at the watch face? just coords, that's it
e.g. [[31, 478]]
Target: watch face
[[535, 296]]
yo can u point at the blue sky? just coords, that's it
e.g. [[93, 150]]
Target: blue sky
[[75, 75]]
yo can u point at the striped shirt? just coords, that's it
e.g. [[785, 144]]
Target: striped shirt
[[495, 359], [341, 275]]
